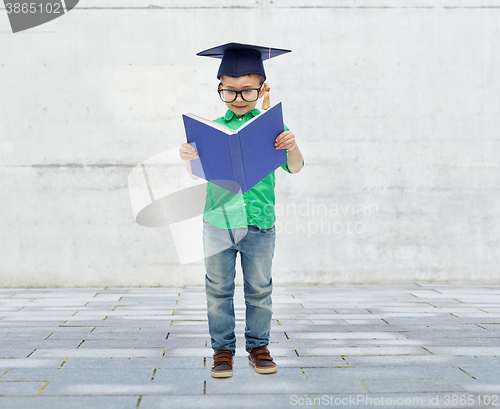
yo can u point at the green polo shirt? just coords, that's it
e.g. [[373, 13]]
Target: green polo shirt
[[254, 207]]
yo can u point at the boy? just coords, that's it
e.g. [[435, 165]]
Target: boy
[[241, 223]]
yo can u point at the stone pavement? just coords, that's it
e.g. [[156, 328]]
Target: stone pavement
[[400, 346]]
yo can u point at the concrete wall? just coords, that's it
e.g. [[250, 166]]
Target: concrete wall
[[394, 104]]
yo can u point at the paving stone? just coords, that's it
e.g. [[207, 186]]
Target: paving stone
[[460, 342], [129, 330], [432, 326], [73, 402], [189, 352], [350, 343], [483, 373], [15, 352], [76, 388], [473, 332], [123, 343], [121, 363], [463, 350], [343, 310], [308, 362], [446, 319], [41, 344], [489, 327], [21, 388], [120, 307], [372, 321], [240, 401], [116, 313], [7, 363], [31, 318], [344, 328], [429, 385], [29, 324], [82, 375], [94, 353], [48, 302], [42, 312], [125, 335], [23, 335], [151, 322], [387, 373], [487, 390], [349, 351], [416, 360]]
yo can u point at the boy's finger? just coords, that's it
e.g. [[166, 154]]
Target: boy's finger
[[282, 135]]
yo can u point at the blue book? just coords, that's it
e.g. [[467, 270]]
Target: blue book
[[236, 160]]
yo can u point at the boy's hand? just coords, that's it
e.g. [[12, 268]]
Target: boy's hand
[[188, 152], [285, 140]]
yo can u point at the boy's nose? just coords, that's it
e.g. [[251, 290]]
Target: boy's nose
[[239, 98]]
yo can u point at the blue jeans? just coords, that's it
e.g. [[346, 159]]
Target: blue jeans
[[256, 247]]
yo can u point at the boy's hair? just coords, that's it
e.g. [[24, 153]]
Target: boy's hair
[[258, 76]]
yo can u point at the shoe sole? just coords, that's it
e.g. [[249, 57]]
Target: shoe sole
[[221, 374], [268, 369]]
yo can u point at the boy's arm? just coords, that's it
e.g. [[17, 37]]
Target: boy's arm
[[295, 160], [188, 153]]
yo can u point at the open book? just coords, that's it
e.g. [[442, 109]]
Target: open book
[[236, 159]]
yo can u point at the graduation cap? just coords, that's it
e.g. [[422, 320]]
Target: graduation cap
[[243, 59]]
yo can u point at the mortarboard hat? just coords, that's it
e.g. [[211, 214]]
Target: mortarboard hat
[[242, 59]]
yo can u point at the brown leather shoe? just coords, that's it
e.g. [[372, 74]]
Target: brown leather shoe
[[260, 358], [223, 364]]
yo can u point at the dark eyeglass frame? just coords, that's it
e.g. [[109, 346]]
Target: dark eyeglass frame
[[220, 90]]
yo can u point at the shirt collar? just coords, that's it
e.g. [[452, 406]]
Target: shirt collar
[[230, 114]]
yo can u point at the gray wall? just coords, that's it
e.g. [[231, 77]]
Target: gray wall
[[394, 104]]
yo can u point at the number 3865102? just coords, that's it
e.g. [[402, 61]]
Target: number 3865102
[[27, 8]]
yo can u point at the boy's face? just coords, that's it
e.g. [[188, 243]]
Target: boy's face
[[239, 106]]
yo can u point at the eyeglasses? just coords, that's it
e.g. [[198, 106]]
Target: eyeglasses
[[248, 95]]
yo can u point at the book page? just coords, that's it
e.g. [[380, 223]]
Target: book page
[[213, 124], [254, 118]]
